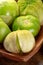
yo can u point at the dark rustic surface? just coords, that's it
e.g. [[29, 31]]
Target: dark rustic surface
[[35, 60]]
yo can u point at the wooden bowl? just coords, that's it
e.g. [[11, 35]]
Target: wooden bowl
[[24, 57]]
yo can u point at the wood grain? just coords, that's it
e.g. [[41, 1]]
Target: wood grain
[[37, 59]]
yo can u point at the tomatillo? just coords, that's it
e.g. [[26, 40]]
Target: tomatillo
[[4, 30], [8, 10], [20, 41], [28, 22]]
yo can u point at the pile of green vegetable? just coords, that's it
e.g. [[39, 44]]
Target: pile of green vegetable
[[20, 23]]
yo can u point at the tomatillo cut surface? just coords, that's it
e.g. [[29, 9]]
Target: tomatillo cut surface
[[11, 43], [28, 22], [19, 41], [26, 40]]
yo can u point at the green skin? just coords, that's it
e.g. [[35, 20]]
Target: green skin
[[1, 20], [24, 6], [4, 31], [8, 11], [32, 7], [28, 22]]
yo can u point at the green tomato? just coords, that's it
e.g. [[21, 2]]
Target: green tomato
[[4, 30], [8, 10], [28, 22]]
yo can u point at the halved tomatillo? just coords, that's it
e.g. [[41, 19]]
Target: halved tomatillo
[[19, 41]]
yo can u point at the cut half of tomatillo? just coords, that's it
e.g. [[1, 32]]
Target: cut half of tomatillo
[[19, 41], [26, 40], [11, 43]]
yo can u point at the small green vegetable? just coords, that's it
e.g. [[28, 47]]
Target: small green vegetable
[[28, 22], [4, 31], [8, 10]]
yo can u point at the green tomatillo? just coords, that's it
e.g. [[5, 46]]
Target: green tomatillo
[[8, 10], [28, 22], [4, 30]]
